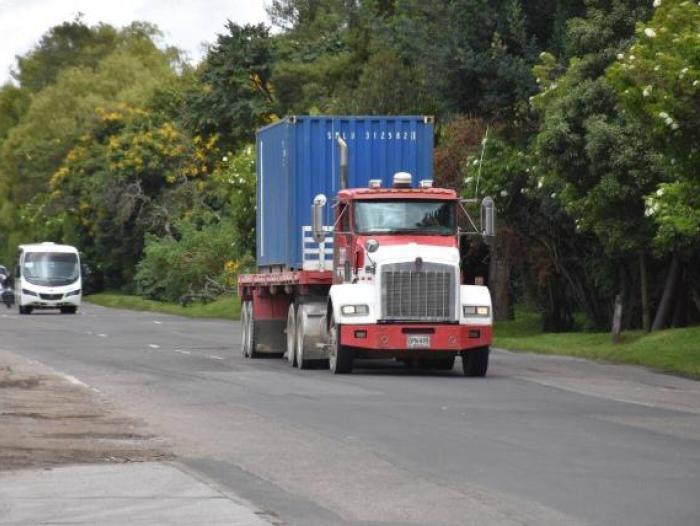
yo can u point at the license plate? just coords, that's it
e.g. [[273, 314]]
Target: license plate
[[418, 341]]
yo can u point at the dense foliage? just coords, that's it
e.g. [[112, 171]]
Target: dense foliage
[[579, 116]]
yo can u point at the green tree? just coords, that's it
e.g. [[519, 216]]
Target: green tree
[[70, 44], [234, 95], [657, 80], [597, 163], [658, 83], [13, 103], [64, 111]]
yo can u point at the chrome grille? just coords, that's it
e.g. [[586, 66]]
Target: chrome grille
[[418, 292]]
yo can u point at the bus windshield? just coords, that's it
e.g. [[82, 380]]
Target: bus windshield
[[50, 269], [416, 216]]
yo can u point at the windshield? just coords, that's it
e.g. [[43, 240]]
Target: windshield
[[51, 269], [416, 216]]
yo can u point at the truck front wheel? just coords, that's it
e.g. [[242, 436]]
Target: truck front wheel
[[475, 362], [340, 359], [25, 310]]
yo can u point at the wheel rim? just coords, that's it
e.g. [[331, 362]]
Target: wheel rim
[[244, 329], [333, 341], [291, 336], [300, 337], [249, 331]]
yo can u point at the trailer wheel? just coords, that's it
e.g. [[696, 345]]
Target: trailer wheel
[[292, 335], [252, 353], [340, 359], [302, 363], [244, 329], [475, 362]]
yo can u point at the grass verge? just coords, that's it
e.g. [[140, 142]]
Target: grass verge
[[673, 350], [226, 307]]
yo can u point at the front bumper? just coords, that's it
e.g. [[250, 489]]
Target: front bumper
[[394, 337], [36, 302]]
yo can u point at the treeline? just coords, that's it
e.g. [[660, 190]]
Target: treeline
[[579, 116]]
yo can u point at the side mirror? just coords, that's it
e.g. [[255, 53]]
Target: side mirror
[[488, 217], [317, 218], [371, 245]]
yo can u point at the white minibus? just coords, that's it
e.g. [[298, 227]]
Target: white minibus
[[47, 276]]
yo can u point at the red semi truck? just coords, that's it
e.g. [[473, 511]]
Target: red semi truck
[[382, 280]]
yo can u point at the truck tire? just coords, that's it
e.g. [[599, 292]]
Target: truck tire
[[69, 310], [244, 329], [302, 329], [292, 335], [25, 310], [475, 362], [340, 360], [252, 353]]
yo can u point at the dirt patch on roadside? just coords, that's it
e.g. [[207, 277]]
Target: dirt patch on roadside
[[45, 420]]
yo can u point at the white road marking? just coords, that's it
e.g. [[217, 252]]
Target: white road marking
[[180, 351], [215, 357], [157, 322], [102, 335], [74, 380], [154, 346]]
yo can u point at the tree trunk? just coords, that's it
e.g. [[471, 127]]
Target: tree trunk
[[499, 282], [680, 311], [646, 307], [663, 313], [625, 293], [617, 319]]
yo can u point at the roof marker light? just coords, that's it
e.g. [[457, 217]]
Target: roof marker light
[[426, 183], [375, 183], [402, 180]]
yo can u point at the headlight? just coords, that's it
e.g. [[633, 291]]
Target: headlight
[[73, 293], [28, 292], [355, 310], [476, 310]]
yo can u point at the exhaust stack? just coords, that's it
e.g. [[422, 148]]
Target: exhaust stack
[[343, 162]]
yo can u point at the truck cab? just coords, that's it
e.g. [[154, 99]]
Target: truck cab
[[396, 280]]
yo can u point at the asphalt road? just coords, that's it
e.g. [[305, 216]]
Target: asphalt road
[[539, 441]]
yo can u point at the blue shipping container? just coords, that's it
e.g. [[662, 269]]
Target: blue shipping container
[[298, 158]]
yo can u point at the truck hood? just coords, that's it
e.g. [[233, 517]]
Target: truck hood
[[412, 251]]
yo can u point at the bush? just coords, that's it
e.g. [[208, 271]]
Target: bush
[[172, 268]]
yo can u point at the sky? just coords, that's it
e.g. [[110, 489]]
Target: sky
[[187, 25]]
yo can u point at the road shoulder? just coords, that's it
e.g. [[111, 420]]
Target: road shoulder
[[66, 455]]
